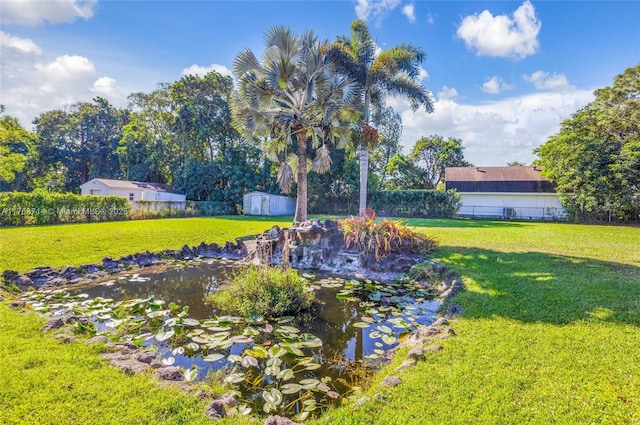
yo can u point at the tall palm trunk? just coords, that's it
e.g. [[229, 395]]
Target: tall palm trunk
[[364, 174], [364, 161], [301, 199]]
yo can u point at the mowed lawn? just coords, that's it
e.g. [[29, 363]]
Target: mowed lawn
[[24, 248], [549, 332]]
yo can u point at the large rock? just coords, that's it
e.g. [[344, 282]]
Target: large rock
[[99, 339], [70, 273], [216, 410], [53, 323], [112, 266], [186, 253], [146, 356], [130, 366], [170, 373], [145, 259], [21, 281], [279, 420], [391, 381]]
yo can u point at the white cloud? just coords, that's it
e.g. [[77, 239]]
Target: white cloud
[[376, 9], [38, 12], [104, 86], [430, 19], [502, 36], [422, 74], [495, 85], [203, 70], [409, 11], [447, 93], [33, 83], [545, 81], [495, 133], [23, 45]]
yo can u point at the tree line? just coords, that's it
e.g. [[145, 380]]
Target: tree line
[[308, 118], [594, 159], [307, 105]]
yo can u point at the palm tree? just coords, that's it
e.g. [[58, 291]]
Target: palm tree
[[295, 104], [390, 72]]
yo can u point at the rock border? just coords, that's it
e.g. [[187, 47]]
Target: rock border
[[45, 276]]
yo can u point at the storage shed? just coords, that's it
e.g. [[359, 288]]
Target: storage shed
[[505, 192], [261, 203]]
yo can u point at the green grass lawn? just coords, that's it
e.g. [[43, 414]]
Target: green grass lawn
[[24, 248], [549, 332]]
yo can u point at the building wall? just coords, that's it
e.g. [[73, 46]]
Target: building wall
[[93, 187], [134, 194], [535, 206]]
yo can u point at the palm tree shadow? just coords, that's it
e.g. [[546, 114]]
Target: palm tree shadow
[[537, 287]]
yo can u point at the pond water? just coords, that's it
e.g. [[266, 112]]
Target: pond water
[[357, 322]]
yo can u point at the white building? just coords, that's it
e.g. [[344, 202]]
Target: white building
[[505, 192], [150, 196], [260, 203]]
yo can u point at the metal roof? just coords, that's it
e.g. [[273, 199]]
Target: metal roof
[[126, 184], [493, 174]]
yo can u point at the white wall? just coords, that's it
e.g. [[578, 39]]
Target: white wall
[[537, 206], [163, 198], [93, 187]]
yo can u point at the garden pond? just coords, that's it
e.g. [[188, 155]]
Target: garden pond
[[289, 365]]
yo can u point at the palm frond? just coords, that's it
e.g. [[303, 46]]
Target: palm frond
[[405, 86], [244, 62], [322, 162], [285, 177]]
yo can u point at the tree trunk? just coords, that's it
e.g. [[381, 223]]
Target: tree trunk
[[301, 200], [364, 160], [364, 171]]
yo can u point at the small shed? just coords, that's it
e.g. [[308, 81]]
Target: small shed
[[261, 203], [505, 192]]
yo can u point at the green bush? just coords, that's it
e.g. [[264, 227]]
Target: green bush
[[42, 207], [264, 291], [394, 203], [415, 203]]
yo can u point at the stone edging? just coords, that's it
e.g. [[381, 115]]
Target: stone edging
[[45, 276]]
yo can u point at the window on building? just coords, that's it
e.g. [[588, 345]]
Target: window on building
[[131, 196]]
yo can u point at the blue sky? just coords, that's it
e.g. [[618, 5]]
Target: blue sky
[[503, 74]]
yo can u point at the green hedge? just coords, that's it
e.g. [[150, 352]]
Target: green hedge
[[42, 207], [415, 203], [395, 203]]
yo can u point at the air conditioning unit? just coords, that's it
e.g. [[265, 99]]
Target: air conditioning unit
[[509, 213]]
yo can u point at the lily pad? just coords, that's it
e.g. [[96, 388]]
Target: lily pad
[[234, 378], [213, 357], [163, 336], [291, 388], [389, 339]]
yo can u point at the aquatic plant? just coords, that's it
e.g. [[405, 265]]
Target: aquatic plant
[[264, 291], [383, 237]]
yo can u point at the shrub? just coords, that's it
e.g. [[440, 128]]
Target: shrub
[[264, 291], [42, 207], [393, 203], [383, 237], [416, 203]]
